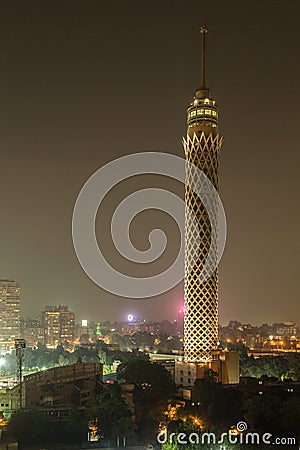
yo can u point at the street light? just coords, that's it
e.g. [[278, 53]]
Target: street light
[[20, 345], [2, 363]]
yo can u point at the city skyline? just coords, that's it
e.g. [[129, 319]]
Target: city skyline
[[62, 86]]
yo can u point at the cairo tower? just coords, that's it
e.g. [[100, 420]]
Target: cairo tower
[[202, 147], [202, 150]]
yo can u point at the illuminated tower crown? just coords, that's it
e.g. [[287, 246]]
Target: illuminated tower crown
[[202, 146]]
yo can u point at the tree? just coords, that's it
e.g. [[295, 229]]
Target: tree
[[217, 405], [290, 420], [152, 390], [280, 367], [143, 374], [111, 415], [263, 413], [32, 427], [29, 427]]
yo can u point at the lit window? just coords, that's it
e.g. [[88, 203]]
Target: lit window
[[214, 113], [208, 111], [193, 113], [199, 112]]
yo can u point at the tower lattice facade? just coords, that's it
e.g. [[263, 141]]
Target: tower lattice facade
[[202, 147]]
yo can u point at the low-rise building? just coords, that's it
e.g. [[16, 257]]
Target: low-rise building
[[72, 385], [225, 366], [9, 402]]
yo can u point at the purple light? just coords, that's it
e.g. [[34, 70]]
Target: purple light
[[130, 317]]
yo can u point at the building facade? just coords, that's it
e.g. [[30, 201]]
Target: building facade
[[32, 332], [58, 324], [61, 387], [9, 313], [10, 401]]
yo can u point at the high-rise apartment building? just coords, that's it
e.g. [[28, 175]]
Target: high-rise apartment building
[[9, 313], [31, 331], [58, 324]]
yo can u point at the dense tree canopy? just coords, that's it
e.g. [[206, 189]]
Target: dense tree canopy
[[111, 415], [153, 389], [32, 427], [280, 367]]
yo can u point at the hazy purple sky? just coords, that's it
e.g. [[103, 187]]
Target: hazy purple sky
[[83, 83]]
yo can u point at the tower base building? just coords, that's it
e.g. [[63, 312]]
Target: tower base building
[[224, 367]]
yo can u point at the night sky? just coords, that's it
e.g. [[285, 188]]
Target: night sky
[[83, 83]]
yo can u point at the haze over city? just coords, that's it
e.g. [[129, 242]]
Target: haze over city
[[86, 84]]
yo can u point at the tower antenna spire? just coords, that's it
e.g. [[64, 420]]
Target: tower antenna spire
[[203, 31]]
